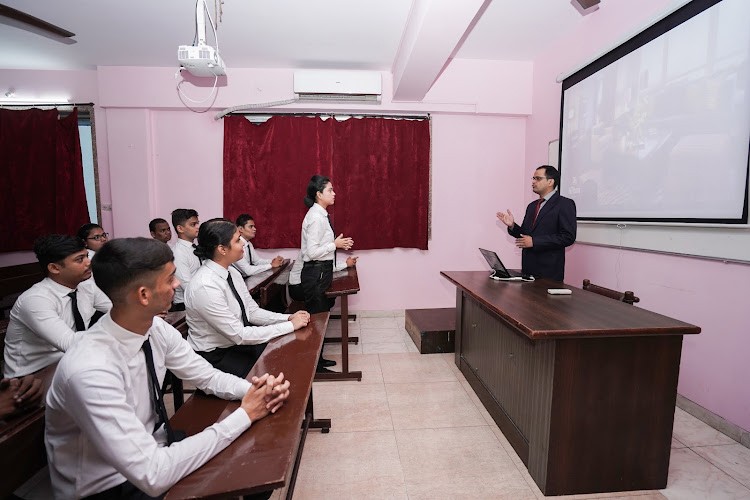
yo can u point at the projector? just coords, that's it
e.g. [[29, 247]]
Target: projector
[[201, 60]]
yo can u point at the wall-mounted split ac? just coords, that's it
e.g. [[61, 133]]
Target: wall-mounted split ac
[[338, 85]]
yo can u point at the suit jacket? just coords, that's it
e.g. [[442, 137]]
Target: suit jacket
[[554, 230]]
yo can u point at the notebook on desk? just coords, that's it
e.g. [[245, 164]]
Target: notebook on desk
[[500, 271]]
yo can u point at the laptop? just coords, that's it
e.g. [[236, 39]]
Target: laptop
[[502, 272]]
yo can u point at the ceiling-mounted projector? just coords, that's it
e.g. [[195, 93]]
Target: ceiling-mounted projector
[[201, 59]]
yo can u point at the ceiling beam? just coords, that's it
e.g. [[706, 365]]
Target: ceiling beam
[[433, 31]]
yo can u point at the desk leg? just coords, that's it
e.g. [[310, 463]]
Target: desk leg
[[345, 374]]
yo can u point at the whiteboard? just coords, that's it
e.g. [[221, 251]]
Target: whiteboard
[[721, 243]]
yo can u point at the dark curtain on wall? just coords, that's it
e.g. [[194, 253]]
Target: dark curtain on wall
[[379, 168], [42, 189]]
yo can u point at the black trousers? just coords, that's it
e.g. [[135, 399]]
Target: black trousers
[[296, 292], [316, 277], [237, 359]]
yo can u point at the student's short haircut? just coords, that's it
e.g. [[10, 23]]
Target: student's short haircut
[[244, 219], [55, 247], [125, 262], [153, 223], [85, 230], [181, 215]]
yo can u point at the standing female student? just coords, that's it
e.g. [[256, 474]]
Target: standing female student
[[225, 325], [319, 245]]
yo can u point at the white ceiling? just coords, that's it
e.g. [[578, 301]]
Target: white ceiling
[[344, 34]]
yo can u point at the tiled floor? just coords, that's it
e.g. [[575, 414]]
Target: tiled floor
[[414, 429]]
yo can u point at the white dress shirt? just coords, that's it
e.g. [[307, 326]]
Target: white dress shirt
[[187, 264], [42, 327], [317, 235], [214, 316], [295, 275], [100, 414], [244, 265]]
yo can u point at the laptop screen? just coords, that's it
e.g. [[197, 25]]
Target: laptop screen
[[494, 261]]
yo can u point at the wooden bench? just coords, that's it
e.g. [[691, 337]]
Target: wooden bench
[[22, 451], [270, 285], [14, 280], [266, 456], [432, 330]]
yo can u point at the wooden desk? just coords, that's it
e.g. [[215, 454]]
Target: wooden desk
[[583, 386], [264, 286], [345, 283], [266, 456], [22, 451], [178, 320]]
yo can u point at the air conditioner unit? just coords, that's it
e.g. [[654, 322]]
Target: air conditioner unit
[[338, 85]]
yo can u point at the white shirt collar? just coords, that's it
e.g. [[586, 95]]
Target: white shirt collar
[[57, 288], [186, 243], [318, 208], [218, 269], [132, 342]]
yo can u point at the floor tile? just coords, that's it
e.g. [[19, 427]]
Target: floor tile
[[693, 478], [431, 405], [335, 348], [458, 463], [381, 335], [368, 364], [734, 459], [385, 348], [677, 444], [378, 322], [375, 314], [353, 407], [692, 432], [350, 465], [413, 367]]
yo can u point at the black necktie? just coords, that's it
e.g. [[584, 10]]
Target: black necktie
[[199, 259], [80, 325], [334, 240], [245, 321], [157, 396], [249, 255]]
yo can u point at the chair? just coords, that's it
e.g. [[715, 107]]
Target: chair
[[628, 297]]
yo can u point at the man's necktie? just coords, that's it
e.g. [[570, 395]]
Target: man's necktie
[[536, 213], [249, 254], [80, 325], [157, 396], [245, 321], [334, 238]]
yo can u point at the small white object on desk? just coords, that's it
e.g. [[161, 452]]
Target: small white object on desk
[[559, 291]]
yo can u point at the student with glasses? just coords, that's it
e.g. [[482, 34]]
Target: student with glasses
[[93, 237], [548, 226]]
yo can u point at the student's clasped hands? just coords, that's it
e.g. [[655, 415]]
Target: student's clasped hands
[[266, 395]]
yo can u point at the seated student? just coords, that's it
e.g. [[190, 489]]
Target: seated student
[[159, 229], [186, 224], [19, 394], [52, 315], [251, 263], [106, 428], [93, 237], [220, 312]]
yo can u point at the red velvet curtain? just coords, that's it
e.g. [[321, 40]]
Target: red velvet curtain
[[42, 189], [379, 168]]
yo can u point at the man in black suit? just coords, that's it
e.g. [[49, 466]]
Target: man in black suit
[[548, 227]]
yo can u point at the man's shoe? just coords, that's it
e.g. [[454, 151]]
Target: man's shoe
[[323, 369], [327, 362]]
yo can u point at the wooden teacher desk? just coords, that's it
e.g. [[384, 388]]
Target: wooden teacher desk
[[583, 386], [266, 456]]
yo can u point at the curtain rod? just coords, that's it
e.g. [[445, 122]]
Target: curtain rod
[[49, 104], [333, 114]]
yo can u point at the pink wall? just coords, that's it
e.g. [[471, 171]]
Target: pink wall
[[714, 370]]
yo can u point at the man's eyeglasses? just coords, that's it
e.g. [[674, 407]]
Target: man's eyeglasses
[[99, 237], [537, 178]]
